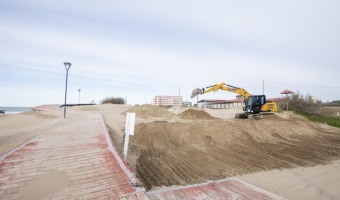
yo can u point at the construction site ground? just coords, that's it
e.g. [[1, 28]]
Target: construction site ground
[[179, 147], [183, 150]]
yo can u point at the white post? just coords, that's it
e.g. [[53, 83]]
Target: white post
[[129, 130], [263, 87]]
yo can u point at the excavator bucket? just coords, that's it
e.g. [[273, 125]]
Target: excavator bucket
[[196, 92]]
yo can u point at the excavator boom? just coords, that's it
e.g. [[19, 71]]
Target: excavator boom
[[221, 86]]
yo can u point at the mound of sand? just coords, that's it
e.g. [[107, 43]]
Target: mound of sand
[[195, 114], [185, 153], [145, 111]]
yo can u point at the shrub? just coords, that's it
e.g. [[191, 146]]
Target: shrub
[[303, 104], [113, 100]]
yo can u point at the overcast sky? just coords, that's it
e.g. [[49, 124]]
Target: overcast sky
[[140, 49]]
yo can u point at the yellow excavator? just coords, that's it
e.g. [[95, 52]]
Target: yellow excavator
[[253, 104]]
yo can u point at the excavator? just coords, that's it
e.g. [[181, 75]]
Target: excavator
[[253, 104]]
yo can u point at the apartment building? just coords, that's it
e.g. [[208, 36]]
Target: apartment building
[[168, 100]]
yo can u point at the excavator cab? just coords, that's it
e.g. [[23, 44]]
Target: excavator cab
[[255, 103]]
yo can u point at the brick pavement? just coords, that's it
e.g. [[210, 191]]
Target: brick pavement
[[74, 159]]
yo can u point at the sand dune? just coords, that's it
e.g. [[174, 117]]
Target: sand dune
[[191, 152]]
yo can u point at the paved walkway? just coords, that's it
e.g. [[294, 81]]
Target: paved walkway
[[71, 160]]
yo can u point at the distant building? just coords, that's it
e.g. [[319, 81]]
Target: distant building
[[238, 102], [286, 92], [168, 101], [220, 104]]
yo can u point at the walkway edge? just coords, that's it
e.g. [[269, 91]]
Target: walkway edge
[[113, 150]]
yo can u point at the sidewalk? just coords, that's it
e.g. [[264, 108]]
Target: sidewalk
[[73, 159]]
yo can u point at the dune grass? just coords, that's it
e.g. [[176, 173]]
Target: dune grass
[[332, 121]]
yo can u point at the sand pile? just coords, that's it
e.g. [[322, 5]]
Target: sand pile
[[195, 114], [192, 152], [145, 111]]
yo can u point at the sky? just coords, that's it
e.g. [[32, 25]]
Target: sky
[[141, 49]]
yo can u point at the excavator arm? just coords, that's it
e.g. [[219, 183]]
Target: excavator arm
[[222, 86]]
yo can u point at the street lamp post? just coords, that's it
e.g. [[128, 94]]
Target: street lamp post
[[79, 96], [67, 67]]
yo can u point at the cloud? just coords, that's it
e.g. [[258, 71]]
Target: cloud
[[143, 49]]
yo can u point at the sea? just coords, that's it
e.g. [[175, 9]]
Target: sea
[[15, 110]]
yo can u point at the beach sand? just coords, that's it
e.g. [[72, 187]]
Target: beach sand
[[16, 129], [320, 182], [159, 142]]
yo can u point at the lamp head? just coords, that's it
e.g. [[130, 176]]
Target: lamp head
[[67, 65]]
